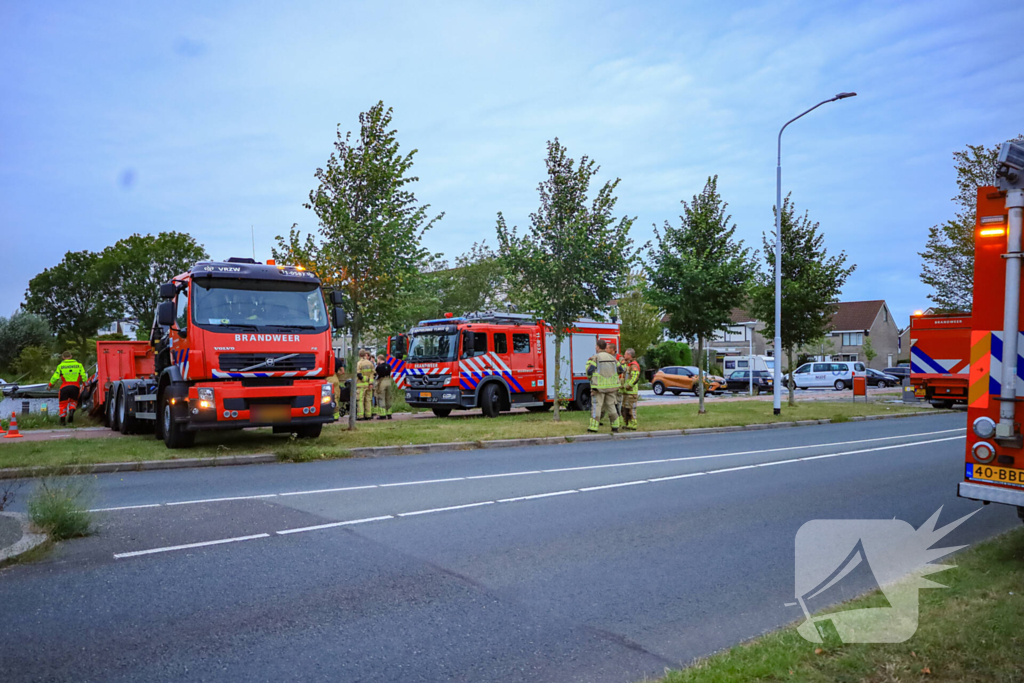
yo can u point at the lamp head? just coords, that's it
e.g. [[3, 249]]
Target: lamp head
[[844, 95]]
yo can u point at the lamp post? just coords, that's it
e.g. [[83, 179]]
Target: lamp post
[[777, 389]]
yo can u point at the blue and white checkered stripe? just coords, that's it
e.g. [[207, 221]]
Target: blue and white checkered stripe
[[473, 370], [180, 361], [995, 375], [222, 374]]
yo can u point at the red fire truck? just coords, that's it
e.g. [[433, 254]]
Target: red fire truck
[[494, 361], [234, 344], [940, 358], [994, 468]]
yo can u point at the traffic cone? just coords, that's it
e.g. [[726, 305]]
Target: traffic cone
[[12, 431]]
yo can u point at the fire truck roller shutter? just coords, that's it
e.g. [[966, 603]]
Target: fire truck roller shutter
[[583, 347]]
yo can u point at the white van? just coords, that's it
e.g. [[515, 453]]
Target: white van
[[730, 363], [836, 374]]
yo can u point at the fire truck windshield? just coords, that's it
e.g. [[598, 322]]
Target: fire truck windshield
[[271, 304], [432, 346]]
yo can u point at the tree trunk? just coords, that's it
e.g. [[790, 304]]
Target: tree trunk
[[558, 376], [792, 397], [700, 375]]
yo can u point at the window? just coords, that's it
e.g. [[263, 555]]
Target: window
[[500, 343], [859, 367], [182, 313], [853, 338], [803, 369], [479, 344], [822, 367], [742, 364], [840, 367], [520, 343], [740, 374]]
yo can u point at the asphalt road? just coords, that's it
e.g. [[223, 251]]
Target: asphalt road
[[583, 562]]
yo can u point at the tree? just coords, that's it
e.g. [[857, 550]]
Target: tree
[[35, 364], [136, 266], [948, 257], [20, 331], [869, 350], [811, 284], [370, 224], [698, 271], [668, 353], [475, 283], [574, 257], [640, 323], [73, 298]]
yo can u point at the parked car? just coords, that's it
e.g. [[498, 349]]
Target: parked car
[[836, 374], [739, 381], [709, 380], [901, 373], [678, 378], [881, 379]]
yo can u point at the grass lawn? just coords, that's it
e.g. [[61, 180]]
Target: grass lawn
[[337, 440], [971, 631]]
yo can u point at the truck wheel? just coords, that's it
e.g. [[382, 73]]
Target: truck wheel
[[490, 400], [441, 412], [125, 420], [659, 388], [583, 398], [175, 436], [840, 385], [309, 431], [112, 402]]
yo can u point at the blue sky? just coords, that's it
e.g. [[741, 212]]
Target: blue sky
[[210, 118]]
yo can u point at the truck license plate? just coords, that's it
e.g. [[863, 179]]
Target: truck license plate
[[424, 394], [270, 413], [1003, 475]]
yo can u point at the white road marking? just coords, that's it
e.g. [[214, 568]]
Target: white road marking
[[581, 468], [169, 548], [331, 525]]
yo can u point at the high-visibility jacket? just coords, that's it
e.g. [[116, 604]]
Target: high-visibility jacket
[[69, 371], [364, 368], [632, 374], [603, 371]]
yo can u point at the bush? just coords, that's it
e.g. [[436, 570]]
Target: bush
[[58, 507], [668, 353]]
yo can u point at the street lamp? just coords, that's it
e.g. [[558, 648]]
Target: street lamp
[[777, 402]]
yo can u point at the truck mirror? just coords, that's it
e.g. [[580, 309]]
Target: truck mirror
[[337, 298], [339, 318], [167, 291], [165, 314], [400, 346]]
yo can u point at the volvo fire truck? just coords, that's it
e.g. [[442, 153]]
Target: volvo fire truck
[[234, 344], [494, 361], [939, 358], [994, 467]]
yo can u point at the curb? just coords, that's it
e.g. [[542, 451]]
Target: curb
[[419, 449], [28, 540]]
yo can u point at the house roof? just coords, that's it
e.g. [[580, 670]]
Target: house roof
[[856, 315]]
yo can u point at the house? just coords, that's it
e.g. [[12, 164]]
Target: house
[[854, 323]]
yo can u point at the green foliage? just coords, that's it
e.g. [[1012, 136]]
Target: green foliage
[[35, 364], [370, 225], [72, 297], [811, 284], [640, 323], [947, 262], [19, 331], [869, 350], [58, 506], [698, 270], [574, 257], [139, 264], [668, 353]]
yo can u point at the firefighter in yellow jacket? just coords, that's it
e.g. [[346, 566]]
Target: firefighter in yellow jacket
[[630, 390], [71, 376], [364, 387], [603, 371]]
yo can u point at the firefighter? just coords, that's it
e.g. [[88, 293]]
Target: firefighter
[[71, 375], [630, 390], [382, 388], [621, 394], [364, 386], [603, 371]]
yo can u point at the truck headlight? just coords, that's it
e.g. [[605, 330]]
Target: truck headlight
[[205, 394], [326, 392]]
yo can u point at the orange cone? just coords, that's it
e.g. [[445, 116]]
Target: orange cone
[[12, 431]]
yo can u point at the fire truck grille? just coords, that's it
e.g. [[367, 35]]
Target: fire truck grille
[[237, 362], [426, 381]]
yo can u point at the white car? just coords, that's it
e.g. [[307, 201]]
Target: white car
[[836, 374]]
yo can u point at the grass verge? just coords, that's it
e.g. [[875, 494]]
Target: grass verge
[[59, 507], [971, 631], [337, 440]]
